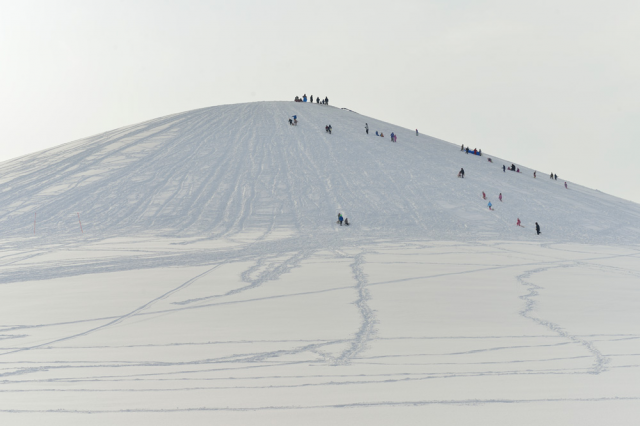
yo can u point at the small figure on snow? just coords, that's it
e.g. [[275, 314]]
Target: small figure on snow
[[480, 152], [467, 149], [290, 122], [490, 160], [326, 100], [304, 98], [366, 128], [346, 221], [311, 98], [391, 136], [490, 206], [295, 120], [518, 223], [537, 228], [340, 219], [534, 174], [556, 177], [565, 185], [551, 175], [504, 169], [500, 197], [461, 173], [417, 132], [462, 147], [484, 196], [381, 135], [518, 171]]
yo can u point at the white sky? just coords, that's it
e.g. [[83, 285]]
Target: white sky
[[553, 85]]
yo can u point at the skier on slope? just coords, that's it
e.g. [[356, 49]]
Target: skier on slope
[[537, 228], [366, 128], [340, 219]]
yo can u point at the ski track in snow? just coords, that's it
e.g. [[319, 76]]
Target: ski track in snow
[[257, 292]]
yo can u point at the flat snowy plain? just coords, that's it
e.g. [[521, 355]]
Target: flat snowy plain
[[211, 285]]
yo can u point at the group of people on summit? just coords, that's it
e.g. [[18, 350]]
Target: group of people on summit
[[325, 101], [462, 148]]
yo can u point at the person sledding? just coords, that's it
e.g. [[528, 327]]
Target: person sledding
[[490, 160], [340, 219], [346, 221], [490, 206]]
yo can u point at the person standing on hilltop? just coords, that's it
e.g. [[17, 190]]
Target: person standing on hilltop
[[417, 132], [366, 128], [311, 98], [304, 98], [326, 100]]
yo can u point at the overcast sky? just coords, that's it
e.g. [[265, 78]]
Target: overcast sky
[[553, 85]]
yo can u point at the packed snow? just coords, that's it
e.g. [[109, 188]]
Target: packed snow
[[190, 270]]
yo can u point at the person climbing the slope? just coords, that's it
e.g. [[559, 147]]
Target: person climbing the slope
[[565, 185], [295, 120], [537, 228], [500, 197], [518, 223], [391, 136], [534, 174], [490, 205], [290, 122], [366, 128], [484, 196], [395, 138], [346, 221], [340, 219], [461, 174]]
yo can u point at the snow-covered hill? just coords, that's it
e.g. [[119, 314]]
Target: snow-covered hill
[[225, 170], [210, 284]]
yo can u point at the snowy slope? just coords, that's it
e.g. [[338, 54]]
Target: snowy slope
[[211, 285], [223, 170]]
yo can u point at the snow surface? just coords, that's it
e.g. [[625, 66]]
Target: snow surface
[[210, 282]]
